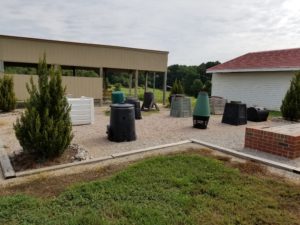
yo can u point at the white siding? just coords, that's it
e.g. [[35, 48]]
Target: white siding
[[266, 89]]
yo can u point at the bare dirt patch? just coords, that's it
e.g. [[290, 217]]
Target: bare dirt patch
[[2, 123], [45, 186], [250, 167], [24, 161]]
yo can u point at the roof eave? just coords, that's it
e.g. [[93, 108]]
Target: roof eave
[[82, 43], [254, 70]]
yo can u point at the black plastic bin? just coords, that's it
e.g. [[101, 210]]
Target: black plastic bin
[[137, 107], [235, 113], [148, 99], [257, 114], [122, 123]]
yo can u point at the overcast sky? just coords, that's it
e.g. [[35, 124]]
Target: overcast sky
[[193, 31]]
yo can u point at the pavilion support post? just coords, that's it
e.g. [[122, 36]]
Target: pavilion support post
[[101, 75], [56, 66], [136, 83], [1, 67], [165, 88], [146, 82], [130, 84], [74, 71], [104, 85], [101, 72], [154, 78]]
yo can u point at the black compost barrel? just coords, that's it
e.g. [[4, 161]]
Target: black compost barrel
[[122, 123], [257, 114], [235, 113], [148, 99], [137, 107]]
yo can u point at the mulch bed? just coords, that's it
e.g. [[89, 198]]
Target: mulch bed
[[23, 161]]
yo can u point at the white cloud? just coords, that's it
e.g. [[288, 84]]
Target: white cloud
[[193, 30]]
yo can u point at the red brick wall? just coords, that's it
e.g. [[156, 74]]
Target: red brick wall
[[278, 144]]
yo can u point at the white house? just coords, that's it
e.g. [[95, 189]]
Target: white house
[[257, 78]]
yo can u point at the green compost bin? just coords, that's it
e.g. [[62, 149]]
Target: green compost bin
[[117, 97], [201, 112]]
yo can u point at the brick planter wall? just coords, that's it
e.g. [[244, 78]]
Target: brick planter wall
[[283, 141]]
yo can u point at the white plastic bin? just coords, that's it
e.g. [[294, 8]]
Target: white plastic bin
[[82, 110]]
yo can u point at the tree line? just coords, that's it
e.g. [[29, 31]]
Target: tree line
[[193, 78]]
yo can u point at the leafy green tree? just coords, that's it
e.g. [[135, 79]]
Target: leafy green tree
[[45, 129], [188, 74], [290, 107], [196, 87], [27, 70], [118, 87], [207, 87], [7, 95], [86, 73]]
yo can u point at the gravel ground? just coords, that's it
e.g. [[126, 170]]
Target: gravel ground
[[154, 129]]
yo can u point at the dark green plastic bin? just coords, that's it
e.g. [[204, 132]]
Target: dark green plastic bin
[[117, 97]]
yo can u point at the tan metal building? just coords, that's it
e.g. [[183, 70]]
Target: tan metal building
[[22, 50]]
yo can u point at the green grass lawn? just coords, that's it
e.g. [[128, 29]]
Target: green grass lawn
[[275, 114], [158, 93], [178, 189]]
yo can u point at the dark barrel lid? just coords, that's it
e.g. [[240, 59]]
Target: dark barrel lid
[[121, 106], [235, 102]]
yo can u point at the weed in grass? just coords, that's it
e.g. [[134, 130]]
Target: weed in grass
[[107, 112], [150, 112], [223, 158], [250, 167]]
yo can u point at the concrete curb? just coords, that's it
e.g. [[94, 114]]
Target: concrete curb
[[248, 156], [62, 166], [7, 169], [96, 160], [122, 154], [135, 152]]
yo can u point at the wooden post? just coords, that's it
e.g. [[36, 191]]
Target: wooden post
[[130, 83], [146, 82], [1, 67], [104, 85], [154, 77], [101, 72], [136, 83], [74, 71], [56, 66], [165, 88]]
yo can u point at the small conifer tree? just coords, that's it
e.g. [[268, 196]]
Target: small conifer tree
[[290, 107], [177, 88], [45, 128], [180, 87], [7, 95], [196, 87]]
